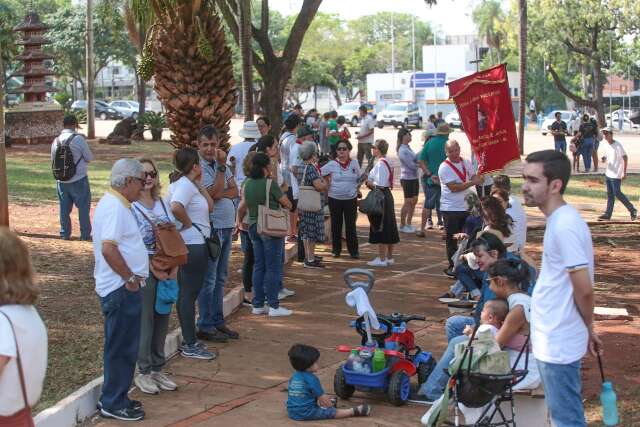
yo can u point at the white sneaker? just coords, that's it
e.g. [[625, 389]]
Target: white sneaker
[[284, 293], [280, 311], [390, 261], [163, 381], [377, 262], [146, 384], [410, 228], [259, 310]]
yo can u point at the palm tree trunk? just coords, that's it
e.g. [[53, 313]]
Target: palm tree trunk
[[244, 13], [522, 50], [141, 93]]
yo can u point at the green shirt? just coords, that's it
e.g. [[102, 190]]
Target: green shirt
[[332, 126], [433, 154], [255, 194]]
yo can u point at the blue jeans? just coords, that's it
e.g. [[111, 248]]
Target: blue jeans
[[75, 193], [586, 150], [613, 192], [456, 324], [562, 393], [121, 309], [468, 279], [561, 145], [267, 270], [434, 386], [211, 295], [247, 261]]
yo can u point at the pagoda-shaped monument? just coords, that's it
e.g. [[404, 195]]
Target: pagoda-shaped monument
[[35, 120]]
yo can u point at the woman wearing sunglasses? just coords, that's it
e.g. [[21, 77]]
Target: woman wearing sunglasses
[[153, 327], [342, 175]]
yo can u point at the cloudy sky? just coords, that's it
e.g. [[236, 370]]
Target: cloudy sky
[[450, 16]]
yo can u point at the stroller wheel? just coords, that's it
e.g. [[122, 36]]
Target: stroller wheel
[[399, 388], [340, 386]]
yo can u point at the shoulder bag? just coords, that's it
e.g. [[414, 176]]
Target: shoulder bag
[[214, 247], [308, 196], [170, 248], [23, 417], [272, 222], [373, 204]]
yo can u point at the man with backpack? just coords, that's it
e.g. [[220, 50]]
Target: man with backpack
[[70, 155]]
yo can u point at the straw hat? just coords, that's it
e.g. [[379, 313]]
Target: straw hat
[[249, 130]]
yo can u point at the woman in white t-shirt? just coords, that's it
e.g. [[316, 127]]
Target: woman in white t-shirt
[[342, 175], [191, 205], [383, 230], [151, 211], [22, 333]]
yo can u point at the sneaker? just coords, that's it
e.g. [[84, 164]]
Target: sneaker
[[390, 261], [280, 311], [410, 228], [228, 332], [377, 262], [313, 264], [197, 344], [259, 310], [124, 414], [403, 229], [363, 410], [355, 256], [288, 292], [163, 381], [421, 233], [318, 258], [335, 255], [604, 217], [449, 272], [213, 336], [634, 215], [246, 302], [146, 384], [429, 224], [194, 351]]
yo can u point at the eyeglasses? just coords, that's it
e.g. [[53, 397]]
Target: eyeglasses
[[151, 174], [342, 149], [137, 178]]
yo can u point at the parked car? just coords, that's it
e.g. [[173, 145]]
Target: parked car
[[102, 110], [126, 108], [453, 119], [400, 114], [627, 124], [569, 117], [350, 111]]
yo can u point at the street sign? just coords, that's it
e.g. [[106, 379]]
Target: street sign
[[424, 80]]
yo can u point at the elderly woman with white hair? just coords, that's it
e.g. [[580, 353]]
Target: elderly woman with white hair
[[311, 226], [121, 268]]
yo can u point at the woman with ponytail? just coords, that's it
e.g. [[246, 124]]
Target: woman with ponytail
[[190, 204]]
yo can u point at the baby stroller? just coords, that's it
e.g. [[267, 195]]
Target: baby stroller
[[481, 381]]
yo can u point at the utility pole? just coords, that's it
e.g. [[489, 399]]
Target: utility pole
[[393, 55], [4, 188], [413, 53], [91, 101], [435, 71]]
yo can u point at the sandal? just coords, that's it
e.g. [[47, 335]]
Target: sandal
[[363, 410]]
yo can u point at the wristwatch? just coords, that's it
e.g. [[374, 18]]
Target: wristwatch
[[221, 168], [133, 279]]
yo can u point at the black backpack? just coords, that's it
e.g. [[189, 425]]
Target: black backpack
[[62, 165]]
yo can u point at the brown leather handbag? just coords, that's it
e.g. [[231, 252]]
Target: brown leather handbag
[[23, 417], [171, 250]]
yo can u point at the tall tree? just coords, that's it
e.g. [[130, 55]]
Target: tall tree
[[522, 52], [275, 69], [138, 17], [488, 17], [192, 69], [244, 42]]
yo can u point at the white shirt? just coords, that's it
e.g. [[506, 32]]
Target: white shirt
[[367, 124], [558, 332], [186, 193], [344, 181], [114, 222], [32, 342], [524, 300], [450, 201], [519, 217], [239, 152], [287, 140], [487, 327], [615, 163], [379, 174]]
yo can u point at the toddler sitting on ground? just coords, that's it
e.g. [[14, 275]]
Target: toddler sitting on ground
[[307, 400]]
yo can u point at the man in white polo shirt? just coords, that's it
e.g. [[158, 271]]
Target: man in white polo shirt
[[121, 267], [562, 301]]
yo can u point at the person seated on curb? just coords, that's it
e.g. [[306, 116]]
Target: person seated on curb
[[307, 400], [508, 279]]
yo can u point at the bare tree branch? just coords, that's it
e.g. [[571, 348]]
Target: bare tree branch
[[581, 50], [300, 26], [565, 91]]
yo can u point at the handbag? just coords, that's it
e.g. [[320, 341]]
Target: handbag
[[23, 417], [171, 250], [272, 222], [308, 196], [214, 247], [373, 204], [166, 295]]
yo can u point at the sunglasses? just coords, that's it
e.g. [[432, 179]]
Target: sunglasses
[[152, 174]]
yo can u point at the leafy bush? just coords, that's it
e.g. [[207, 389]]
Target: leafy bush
[[153, 120], [64, 99]]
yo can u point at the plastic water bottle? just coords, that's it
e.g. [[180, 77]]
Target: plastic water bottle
[[608, 401], [378, 361], [365, 355], [352, 357]]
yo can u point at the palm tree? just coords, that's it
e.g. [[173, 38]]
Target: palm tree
[[522, 52], [244, 43], [186, 53], [487, 16], [138, 18]]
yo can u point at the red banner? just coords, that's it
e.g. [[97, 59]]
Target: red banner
[[484, 104]]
